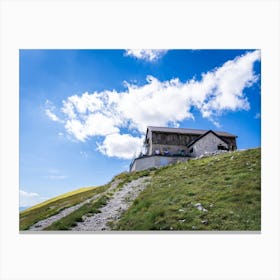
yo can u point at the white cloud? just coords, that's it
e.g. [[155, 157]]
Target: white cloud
[[68, 109], [82, 104], [91, 125], [52, 116], [122, 146], [49, 111], [28, 199], [227, 84], [158, 103], [146, 54]]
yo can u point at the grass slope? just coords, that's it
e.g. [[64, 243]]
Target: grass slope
[[93, 207], [55, 205], [227, 185]]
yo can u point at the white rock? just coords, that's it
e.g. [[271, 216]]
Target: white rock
[[200, 207]]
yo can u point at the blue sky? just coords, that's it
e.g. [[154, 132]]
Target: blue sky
[[83, 113]]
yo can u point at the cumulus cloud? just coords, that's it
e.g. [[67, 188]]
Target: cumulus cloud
[[157, 103], [122, 146], [92, 125], [51, 115], [227, 84], [49, 110], [146, 54], [28, 199]]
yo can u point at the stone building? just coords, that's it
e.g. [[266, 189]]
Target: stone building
[[163, 145]]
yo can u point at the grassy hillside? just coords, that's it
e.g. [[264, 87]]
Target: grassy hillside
[[53, 206], [93, 207], [221, 192], [227, 186]]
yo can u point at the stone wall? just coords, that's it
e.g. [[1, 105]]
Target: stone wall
[[146, 162], [207, 144]]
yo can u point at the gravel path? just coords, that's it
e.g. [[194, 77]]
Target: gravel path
[[112, 211], [47, 222]]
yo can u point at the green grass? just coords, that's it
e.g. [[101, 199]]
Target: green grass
[[71, 220], [53, 206], [227, 185], [93, 207], [59, 198]]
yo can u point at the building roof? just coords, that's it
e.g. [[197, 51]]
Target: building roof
[[187, 131], [203, 135]]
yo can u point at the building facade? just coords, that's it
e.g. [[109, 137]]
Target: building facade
[[180, 141], [163, 145]]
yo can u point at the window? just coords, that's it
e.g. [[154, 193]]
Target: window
[[221, 147], [191, 150]]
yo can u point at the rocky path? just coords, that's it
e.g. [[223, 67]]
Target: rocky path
[[47, 222], [120, 201]]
